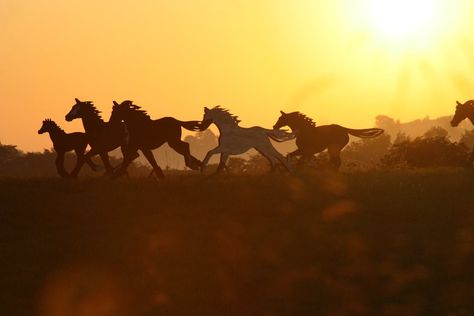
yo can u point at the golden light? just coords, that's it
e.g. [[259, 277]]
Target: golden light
[[404, 19]]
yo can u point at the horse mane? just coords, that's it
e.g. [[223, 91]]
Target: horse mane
[[53, 124], [93, 110], [470, 103], [306, 119], [226, 114], [136, 109]]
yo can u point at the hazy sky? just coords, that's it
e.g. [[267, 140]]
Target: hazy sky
[[339, 61]]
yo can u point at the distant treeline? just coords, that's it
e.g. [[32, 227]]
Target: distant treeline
[[402, 146]]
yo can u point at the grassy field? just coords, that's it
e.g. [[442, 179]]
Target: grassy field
[[369, 243]]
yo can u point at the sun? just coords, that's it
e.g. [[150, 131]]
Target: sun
[[404, 20]]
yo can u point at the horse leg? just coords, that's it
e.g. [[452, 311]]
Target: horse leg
[[128, 157], [335, 156], [305, 157], [60, 164], [151, 159], [80, 162], [222, 162], [295, 153], [209, 154], [265, 152], [105, 159], [183, 148], [80, 156], [279, 157], [127, 151]]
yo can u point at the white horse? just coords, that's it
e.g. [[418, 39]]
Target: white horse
[[236, 140]]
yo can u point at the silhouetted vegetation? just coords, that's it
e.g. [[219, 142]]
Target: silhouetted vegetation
[[467, 138], [366, 153], [434, 149]]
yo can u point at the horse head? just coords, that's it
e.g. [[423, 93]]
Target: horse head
[[46, 126], [78, 110], [219, 116], [207, 119], [462, 112], [120, 111], [282, 120], [295, 120]]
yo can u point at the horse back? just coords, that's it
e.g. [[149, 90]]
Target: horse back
[[71, 141], [323, 136]]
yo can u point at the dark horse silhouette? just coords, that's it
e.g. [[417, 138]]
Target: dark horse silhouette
[[64, 142], [103, 136], [312, 139], [146, 134], [464, 111]]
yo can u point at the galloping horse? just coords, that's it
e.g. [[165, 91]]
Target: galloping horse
[[146, 134], [312, 139], [236, 140], [103, 136], [464, 111], [64, 142]]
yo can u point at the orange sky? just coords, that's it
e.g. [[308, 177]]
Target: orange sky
[[325, 58]]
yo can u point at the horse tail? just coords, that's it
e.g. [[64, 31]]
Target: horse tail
[[365, 133], [194, 126], [279, 135]]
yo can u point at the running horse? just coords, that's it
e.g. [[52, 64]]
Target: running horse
[[312, 139], [236, 140], [463, 111], [146, 134], [103, 136], [64, 142]]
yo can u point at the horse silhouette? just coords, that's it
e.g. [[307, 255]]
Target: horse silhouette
[[63, 143], [312, 139], [236, 140], [146, 134], [103, 136], [463, 111]]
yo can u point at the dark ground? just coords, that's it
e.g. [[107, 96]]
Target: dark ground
[[372, 243]]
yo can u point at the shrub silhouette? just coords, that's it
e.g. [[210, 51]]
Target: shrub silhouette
[[434, 149], [367, 152], [436, 132], [467, 138]]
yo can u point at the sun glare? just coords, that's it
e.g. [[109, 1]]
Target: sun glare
[[398, 19]]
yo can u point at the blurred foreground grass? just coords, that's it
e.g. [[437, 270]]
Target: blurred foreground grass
[[369, 243]]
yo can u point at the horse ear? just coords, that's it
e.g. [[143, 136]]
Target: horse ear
[[115, 102], [77, 100], [206, 109], [282, 113], [458, 103]]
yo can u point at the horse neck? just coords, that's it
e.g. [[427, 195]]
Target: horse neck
[[136, 121], [470, 115], [225, 125], [300, 125], [56, 133], [92, 122]]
